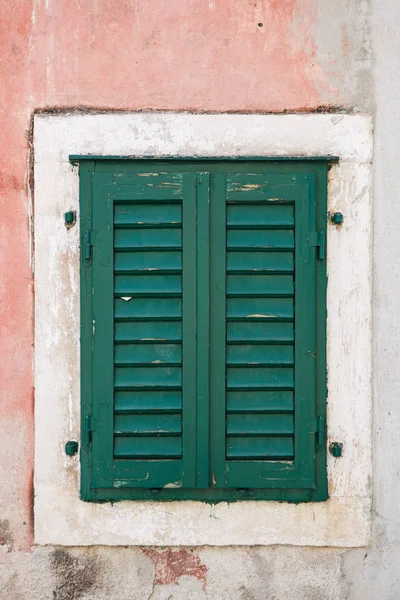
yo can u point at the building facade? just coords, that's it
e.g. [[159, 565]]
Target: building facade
[[307, 87]]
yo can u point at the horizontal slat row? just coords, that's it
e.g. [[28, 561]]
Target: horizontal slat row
[[148, 284], [254, 215], [259, 285], [260, 322], [260, 187], [148, 376], [249, 377], [149, 308], [259, 354], [147, 214], [147, 239], [252, 448], [148, 331], [169, 424], [142, 187], [260, 424], [243, 332], [260, 262], [262, 308], [247, 239], [148, 401], [147, 447], [140, 354], [157, 261], [251, 401]]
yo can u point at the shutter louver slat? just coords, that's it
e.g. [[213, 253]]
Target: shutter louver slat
[[266, 448], [148, 331], [140, 354], [280, 308], [148, 447], [148, 284], [147, 239], [256, 424], [251, 401], [135, 308], [142, 215], [261, 354], [148, 401], [244, 239], [243, 332], [126, 262], [254, 262]]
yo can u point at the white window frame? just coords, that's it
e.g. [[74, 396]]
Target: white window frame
[[61, 518]]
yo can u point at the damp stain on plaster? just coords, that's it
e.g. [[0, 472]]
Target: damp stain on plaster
[[171, 564], [5, 534], [74, 576], [9, 182]]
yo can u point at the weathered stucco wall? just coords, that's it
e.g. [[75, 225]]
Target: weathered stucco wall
[[200, 55], [60, 516]]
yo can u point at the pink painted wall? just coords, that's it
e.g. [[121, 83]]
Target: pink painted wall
[[195, 55]]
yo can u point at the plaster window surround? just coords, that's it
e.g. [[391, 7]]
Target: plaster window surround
[[61, 518]]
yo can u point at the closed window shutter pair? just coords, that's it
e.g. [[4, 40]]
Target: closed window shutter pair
[[201, 313]]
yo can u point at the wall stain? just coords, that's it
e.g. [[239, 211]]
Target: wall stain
[[171, 564], [10, 182], [5, 534], [92, 109], [75, 576]]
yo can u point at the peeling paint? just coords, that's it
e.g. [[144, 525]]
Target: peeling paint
[[117, 483], [246, 187], [171, 564], [6, 538], [149, 174]]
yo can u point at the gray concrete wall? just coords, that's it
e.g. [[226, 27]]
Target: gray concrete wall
[[375, 573]]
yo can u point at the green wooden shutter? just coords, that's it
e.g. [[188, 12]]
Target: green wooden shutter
[[142, 304], [263, 364], [203, 330]]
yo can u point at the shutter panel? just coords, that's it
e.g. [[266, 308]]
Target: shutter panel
[[143, 328], [203, 321], [263, 361]]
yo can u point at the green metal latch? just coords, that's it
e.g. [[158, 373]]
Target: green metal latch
[[70, 218], [337, 218], [71, 448], [318, 240], [336, 449]]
